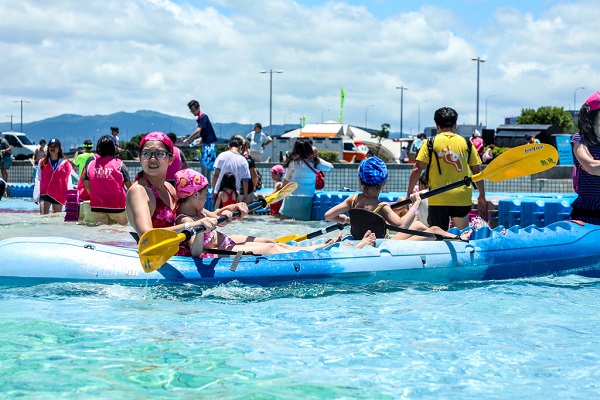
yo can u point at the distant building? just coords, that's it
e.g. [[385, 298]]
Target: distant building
[[515, 135], [465, 130]]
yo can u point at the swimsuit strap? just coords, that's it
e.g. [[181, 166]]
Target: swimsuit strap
[[379, 207], [157, 195], [353, 201]]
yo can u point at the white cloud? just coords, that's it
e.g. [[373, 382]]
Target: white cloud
[[104, 57]]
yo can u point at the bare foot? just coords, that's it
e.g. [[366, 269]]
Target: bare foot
[[368, 239], [338, 238], [466, 235]]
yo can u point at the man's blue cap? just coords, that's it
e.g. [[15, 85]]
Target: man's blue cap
[[372, 171]]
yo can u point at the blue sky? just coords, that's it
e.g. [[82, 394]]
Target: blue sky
[[472, 12], [109, 56]]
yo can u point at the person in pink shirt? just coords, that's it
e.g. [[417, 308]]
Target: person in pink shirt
[[53, 178]]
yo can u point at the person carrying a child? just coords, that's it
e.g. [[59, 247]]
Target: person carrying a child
[[372, 177], [191, 189], [228, 193], [277, 172]]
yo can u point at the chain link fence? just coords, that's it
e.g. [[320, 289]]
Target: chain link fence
[[344, 177]]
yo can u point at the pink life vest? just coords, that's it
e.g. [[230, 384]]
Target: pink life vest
[[175, 166], [55, 183], [107, 190], [83, 194]]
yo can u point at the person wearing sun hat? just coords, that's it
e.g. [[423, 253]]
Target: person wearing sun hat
[[586, 171], [151, 201], [478, 142]]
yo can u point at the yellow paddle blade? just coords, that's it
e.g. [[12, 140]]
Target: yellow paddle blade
[[519, 161], [157, 246], [289, 238], [282, 193]]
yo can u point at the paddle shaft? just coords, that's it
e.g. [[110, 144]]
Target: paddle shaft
[[330, 228], [467, 181], [417, 233]]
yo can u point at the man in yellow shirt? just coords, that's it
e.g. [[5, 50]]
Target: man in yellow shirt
[[453, 161]]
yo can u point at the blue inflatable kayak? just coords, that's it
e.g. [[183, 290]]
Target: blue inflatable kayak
[[560, 248]]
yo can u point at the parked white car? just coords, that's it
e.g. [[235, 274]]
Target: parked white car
[[22, 147]]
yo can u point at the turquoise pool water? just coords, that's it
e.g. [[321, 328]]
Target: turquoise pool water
[[532, 338]]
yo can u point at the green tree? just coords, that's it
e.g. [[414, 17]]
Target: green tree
[[384, 133], [548, 115], [130, 148]]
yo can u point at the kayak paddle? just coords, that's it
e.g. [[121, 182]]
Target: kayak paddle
[[299, 238], [157, 246], [519, 161]]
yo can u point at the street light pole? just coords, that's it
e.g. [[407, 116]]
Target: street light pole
[[367, 109], [575, 99], [486, 101], [21, 101], [402, 89], [270, 72], [479, 61], [322, 114], [11, 121], [419, 115]]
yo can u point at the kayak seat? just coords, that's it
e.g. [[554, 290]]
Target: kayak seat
[[362, 220]]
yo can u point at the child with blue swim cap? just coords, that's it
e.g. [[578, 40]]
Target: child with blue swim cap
[[372, 177]]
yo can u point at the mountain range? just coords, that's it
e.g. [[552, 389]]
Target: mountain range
[[73, 129]]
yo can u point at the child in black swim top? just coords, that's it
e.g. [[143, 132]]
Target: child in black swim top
[[372, 177]]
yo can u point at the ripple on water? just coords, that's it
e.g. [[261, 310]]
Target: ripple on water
[[527, 338]]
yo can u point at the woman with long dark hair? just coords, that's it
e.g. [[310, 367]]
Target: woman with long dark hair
[[301, 167], [53, 178], [586, 171]]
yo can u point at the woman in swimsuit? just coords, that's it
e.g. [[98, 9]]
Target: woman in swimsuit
[[152, 205]]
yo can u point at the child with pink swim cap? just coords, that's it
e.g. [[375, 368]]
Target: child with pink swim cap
[[192, 188], [277, 173]]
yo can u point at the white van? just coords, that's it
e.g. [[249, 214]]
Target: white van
[[22, 147]]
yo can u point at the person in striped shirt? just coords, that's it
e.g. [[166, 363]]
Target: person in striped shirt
[[586, 171]]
